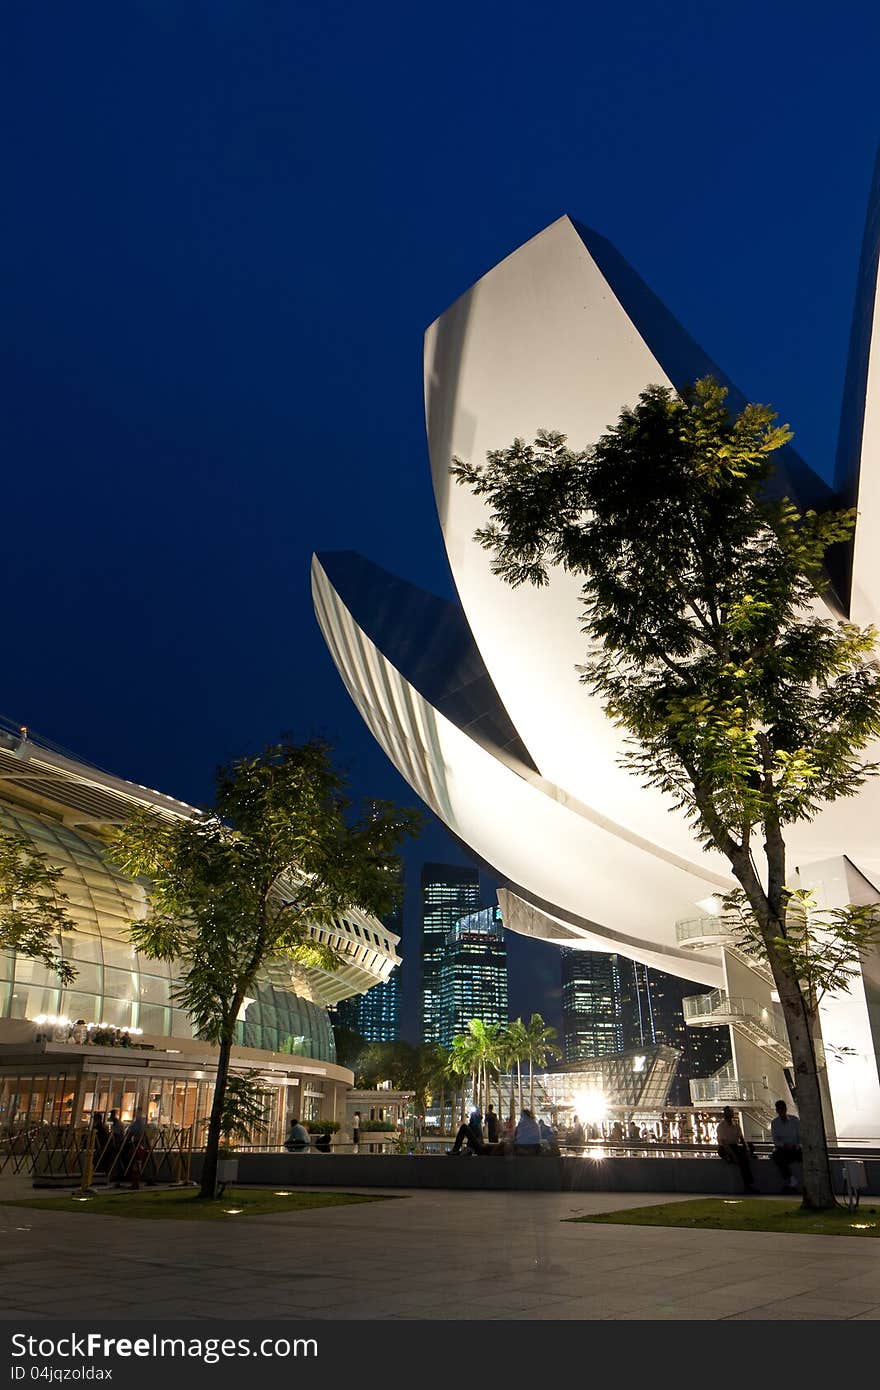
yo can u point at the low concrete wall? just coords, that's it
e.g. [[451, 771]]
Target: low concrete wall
[[680, 1175]]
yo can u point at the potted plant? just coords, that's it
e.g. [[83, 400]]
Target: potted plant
[[242, 1117]]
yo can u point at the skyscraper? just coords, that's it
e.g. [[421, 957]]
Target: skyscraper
[[375, 1015], [448, 893], [473, 974], [591, 1024], [610, 1003], [651, 1012]]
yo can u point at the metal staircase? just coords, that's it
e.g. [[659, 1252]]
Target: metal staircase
[[758, 1024], [707, 933], [724, 1087]]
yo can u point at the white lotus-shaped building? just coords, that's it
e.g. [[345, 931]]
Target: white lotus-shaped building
[[478, 703]]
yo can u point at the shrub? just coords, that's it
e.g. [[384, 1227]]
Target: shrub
[[380, 1126]]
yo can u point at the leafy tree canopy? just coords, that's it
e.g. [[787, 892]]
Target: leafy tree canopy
[[33, 911]]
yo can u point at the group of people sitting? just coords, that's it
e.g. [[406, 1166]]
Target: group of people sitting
[[528, 1136], [785, 1131]]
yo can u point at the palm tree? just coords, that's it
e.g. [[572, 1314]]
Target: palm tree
[[514, 1047], [484, 1044], [540, 1046], [463, 1061]]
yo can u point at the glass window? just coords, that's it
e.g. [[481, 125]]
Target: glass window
[[119, 953], [153, 990], [152, 1018], [117, 1012], [88, 978], [119, 984], [79, 947], [181, 1024], [86, 1006]]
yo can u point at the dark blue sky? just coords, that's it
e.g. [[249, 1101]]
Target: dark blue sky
[[228, 225]]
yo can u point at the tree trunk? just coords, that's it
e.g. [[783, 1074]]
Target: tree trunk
[[519, 1081], [532, 1086], [512, 1096], [209, 1171], [769, 910], [818, 1190]]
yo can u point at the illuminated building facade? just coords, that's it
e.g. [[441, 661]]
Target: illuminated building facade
[[591, 1019], [473, 974], [652, 1011], [448, 893], [116, 1036], [375, 1015], [477, 701]]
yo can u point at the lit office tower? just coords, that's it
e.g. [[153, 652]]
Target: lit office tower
[[473, 974], [651, 1012], [378, 1011], [449, 893], [591, 1025], [375, 1015]]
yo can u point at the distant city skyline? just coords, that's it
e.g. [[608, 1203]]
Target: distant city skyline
[[473, 974], [448, 892]]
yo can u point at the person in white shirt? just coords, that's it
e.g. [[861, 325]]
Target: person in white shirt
[[527, 1135], [732, 1147], [786, 1134], [298, 1139]]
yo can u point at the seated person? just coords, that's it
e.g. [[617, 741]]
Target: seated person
[[298, 1138], [732, 1148], [786, 1134], [548, 1137], [575, 1136], [527, 1135], [472, 1132]]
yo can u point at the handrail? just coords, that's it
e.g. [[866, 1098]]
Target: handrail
[[718, 1003]]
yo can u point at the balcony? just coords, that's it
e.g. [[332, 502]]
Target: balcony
[[711, 932], [698, 933], [727, 1089], [762, 1027]]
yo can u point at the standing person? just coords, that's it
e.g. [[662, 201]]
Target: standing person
[[492, 1125], [103, 1144], [356, 1129], [786, 1133], [117, 1142], [732, 1148], [472, 1132], [135, 1148]]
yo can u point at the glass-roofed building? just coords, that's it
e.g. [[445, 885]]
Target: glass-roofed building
[[116, 1038]]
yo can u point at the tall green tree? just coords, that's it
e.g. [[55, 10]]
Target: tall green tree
[[33, 906], [748, 709], [540, 1045], [282, 850], [514, 1051]]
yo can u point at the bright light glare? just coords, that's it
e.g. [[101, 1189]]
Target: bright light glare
[[283, 1194], [233, 1211], [863, 1225], [592, 1106], [711, 906]]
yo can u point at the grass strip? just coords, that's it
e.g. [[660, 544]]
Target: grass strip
[[184, 1203], [744, 1214]]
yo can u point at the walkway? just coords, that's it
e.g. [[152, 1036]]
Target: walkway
[[438, 1255]]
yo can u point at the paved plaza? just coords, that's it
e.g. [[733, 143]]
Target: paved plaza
[[470, 1255]]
